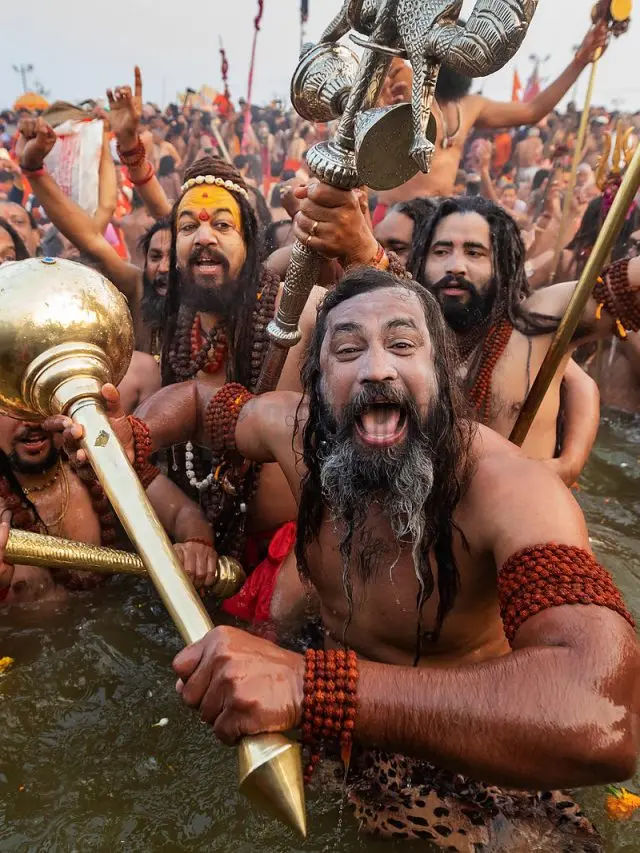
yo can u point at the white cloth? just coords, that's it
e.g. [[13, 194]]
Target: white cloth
[[74, 161]]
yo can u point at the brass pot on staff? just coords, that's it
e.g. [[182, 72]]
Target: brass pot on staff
[[64, 332], [382, 148]]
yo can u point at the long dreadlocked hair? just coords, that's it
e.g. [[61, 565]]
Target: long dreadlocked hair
[[419, 210], [239, 326], [145, 241], [451, 431], [587, 234]]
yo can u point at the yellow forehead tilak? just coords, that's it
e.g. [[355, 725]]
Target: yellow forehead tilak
[[211, 199]]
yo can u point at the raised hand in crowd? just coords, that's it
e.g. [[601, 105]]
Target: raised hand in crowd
[[125, 111], [35, 142]]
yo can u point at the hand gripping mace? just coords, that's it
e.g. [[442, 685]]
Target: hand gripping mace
[[64, 332], [384, 147]]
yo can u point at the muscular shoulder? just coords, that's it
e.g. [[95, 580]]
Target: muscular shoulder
[[514, 502]]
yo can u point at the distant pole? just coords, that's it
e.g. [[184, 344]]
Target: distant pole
[[247, 119], [304, 17], [23, 70]]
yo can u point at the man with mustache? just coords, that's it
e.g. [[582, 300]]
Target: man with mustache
[[41, 491], [453, 637], [473, 262]]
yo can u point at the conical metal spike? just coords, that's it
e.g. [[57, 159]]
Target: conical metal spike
[[270, 770]]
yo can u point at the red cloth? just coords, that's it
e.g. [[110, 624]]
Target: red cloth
[[253, 602], [379, 214]]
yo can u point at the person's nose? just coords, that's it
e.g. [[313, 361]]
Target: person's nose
[[457, 264], [206, 236], [377, 366], [163, 266]]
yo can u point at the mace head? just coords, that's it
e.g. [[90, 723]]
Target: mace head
[[59, 321]]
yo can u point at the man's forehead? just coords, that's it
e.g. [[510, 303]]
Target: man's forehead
[[11, 209], [377, 307], [464, 227]]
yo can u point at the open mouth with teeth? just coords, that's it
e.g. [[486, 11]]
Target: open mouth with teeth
[[381, 424], [208, 265], [34, 441]]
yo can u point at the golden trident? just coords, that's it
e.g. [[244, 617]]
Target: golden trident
[[64, 332]]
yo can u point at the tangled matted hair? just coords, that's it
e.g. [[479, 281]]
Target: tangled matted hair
[[239, 325], [450, 430]]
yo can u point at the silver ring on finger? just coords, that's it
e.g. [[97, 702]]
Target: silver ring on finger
[[308, 240], [314, 228]]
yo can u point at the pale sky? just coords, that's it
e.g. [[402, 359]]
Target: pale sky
[[80, 47]]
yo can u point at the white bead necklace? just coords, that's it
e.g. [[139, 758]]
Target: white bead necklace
[[200, 485]]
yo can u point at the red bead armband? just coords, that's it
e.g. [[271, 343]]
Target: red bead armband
[[551, 575], [614, 294], [146, 472], [329, 707], [222, 416]]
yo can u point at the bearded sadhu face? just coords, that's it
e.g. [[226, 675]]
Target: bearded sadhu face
[[209, 243]]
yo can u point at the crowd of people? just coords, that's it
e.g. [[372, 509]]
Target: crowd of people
[[463, 637]]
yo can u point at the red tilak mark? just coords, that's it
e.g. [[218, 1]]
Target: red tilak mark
[[203, 216]]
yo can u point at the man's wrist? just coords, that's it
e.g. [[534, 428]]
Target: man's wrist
[[365, 256]]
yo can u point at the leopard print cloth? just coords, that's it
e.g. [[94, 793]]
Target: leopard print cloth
[[404, 798]]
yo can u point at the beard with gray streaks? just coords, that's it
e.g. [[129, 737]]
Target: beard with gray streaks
[[400, 478]]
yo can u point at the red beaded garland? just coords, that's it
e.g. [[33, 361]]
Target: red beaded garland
[[329, 704], [493, 348]]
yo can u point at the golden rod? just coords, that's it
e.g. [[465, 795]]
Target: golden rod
[[577, 157], [52, 552], [575, 309]]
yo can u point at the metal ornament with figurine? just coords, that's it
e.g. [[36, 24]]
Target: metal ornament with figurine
[[382, 147], [57, 349]]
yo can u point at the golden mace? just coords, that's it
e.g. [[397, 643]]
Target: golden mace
[[51, 552], [575, 309], [617, 14], [64, 332]]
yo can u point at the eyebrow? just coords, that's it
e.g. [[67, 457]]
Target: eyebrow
[[192, 213], [400, 323], [468, 244], [347, 327]]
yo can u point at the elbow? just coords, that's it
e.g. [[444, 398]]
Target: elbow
[[610, 756]]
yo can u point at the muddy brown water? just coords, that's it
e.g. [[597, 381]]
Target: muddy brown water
[[84, 770]]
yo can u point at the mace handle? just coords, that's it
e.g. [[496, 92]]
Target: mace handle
[[270, 765]]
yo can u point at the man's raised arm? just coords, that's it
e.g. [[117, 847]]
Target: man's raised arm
[[513, 114], [37, 140]]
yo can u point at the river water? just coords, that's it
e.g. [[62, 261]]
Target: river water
[[83, 768]]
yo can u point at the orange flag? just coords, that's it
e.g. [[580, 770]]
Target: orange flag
[[516, 91]]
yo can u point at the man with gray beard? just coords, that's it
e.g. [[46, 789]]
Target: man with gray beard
[[469, 631]]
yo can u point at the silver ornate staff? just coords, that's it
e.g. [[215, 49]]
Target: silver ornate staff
[[382, 147]]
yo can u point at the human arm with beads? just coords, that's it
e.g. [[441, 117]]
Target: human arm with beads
[[577, 663], [125, 111]]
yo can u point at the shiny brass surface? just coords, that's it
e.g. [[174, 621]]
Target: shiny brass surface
[[51, 552], [569, 323], [56, 318], [50, 302]]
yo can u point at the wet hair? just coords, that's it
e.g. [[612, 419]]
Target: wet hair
[[451, 437], [144, 243], [18, 243], [451, 86], [539, 178], [508, 258], [239, 324], [166, 166], [419, 210], [587, 234], [271, 236]]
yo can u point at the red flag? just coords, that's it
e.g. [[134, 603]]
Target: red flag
[[516, 91], [532, 89]]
